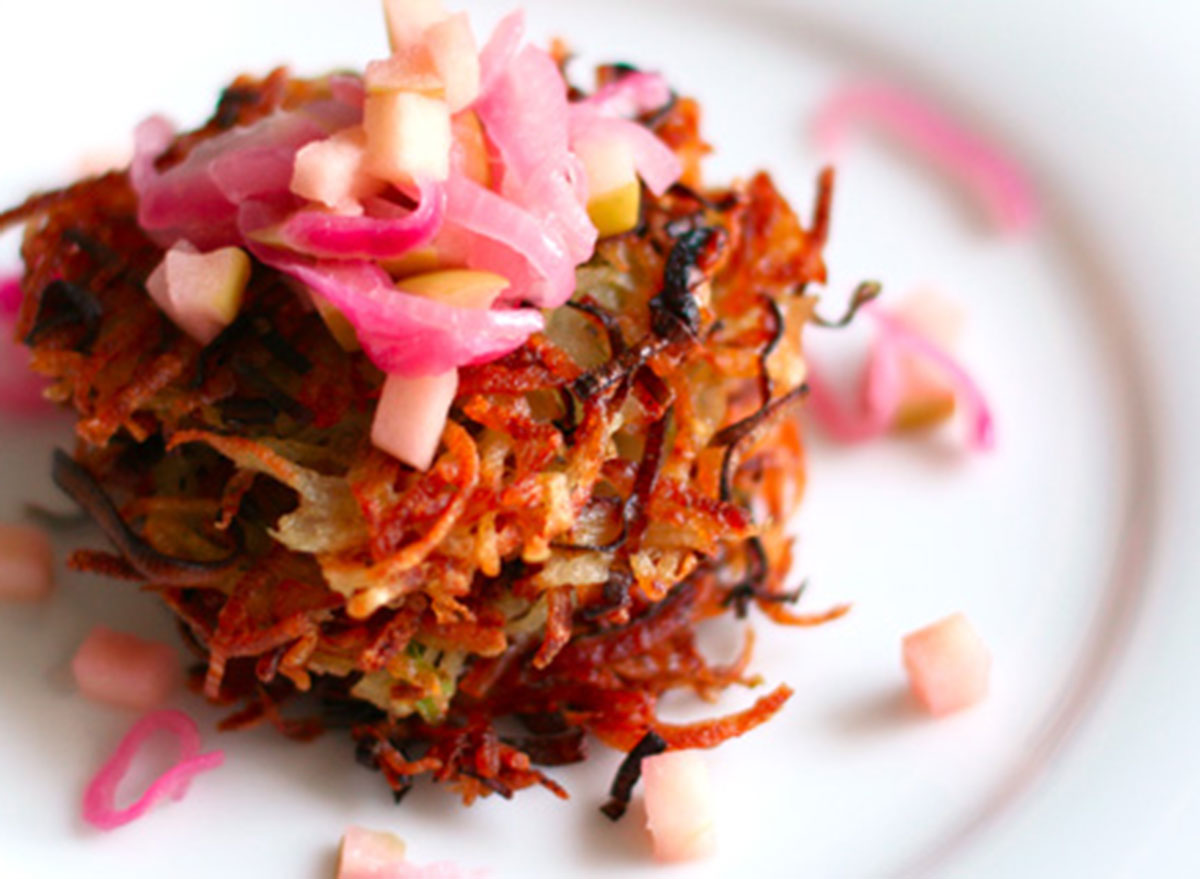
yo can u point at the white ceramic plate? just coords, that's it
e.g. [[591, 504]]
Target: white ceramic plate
[[1068, 546]]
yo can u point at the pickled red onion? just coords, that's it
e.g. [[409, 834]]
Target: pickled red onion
[[895, 332], [656, 163], [320, 233], [631, 95], [524, 112], [406, 334], [173, 204], [498, 236], [20, 389], [849, 424], [500, 49], [198, 198], [532, 226], [1000, 182], [881, 388], [10, 296], [557, 197], [99, 807]]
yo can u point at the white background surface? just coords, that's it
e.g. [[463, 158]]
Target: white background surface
[[1082, 762]]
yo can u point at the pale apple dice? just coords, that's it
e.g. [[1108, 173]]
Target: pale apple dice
[[410, 69], [929, 395], [408, 137], [200, 292], [416, 262], [338, 325], [928, 398], [679, 805], [333, 172], [369, 854], [101, 160], [456, 57], [26, 564], [124, 670], [948, 665], [469, 152], [932, 315], [614, 194], [463, 288], [617, 211], [411, 415], [407, 20]]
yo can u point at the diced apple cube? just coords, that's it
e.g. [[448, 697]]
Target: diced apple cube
[[929, 395], [411, 415], [200, 292], [409, 69], [369, 854], [614, 194], [333, 172], [338, 324], [407, 20], [26, 566], [608, 162], [948, 665], [932, 315], [464, 288], [408, 137], [679, 805], [101, 160], [616, 211], [125, 670], [416, 262], [456, 57]]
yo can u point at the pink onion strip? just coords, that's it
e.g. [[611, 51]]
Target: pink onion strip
[[10, 296], [99, 808], [999, 181], [320, 233], [198, 198], [881, 388], [524, 112], [505, 238], [631, 95], [174, 204], [656, 162], [844, 424], [557, 198], [500, 49], [20, 388], [402, 333]]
